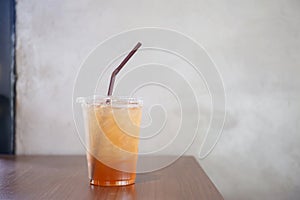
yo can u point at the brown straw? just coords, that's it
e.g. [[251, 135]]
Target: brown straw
[[116, 71]]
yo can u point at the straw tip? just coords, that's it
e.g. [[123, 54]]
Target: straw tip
[[138, 44]]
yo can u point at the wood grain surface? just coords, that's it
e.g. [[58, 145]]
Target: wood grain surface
[[65, 177]]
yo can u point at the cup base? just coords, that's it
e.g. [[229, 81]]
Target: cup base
[[111, 183]]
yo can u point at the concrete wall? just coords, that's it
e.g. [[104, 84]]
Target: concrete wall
[[255, 45]]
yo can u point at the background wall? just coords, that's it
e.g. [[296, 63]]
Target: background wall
[[255, 44]]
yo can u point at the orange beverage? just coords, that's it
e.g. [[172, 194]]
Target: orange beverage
[[112, 138]]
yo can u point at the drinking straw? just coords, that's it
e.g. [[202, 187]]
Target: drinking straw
[[117, 70]]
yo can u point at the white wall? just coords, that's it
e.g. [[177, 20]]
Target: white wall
[[255, 44]]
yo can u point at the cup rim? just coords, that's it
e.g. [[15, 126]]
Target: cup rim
[[109, 100]]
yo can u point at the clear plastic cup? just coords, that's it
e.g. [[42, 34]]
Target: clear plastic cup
[[112, 126]]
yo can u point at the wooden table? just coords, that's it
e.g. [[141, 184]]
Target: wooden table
[[65, 177]]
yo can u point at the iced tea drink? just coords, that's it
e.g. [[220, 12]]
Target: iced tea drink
[[112, 137]]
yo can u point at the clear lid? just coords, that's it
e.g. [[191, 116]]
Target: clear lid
[[118, 101]]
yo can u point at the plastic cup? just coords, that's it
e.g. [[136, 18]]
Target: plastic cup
[[112, 126]]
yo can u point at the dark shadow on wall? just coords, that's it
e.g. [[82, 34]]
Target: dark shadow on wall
[[5, 125], [7, 76]]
